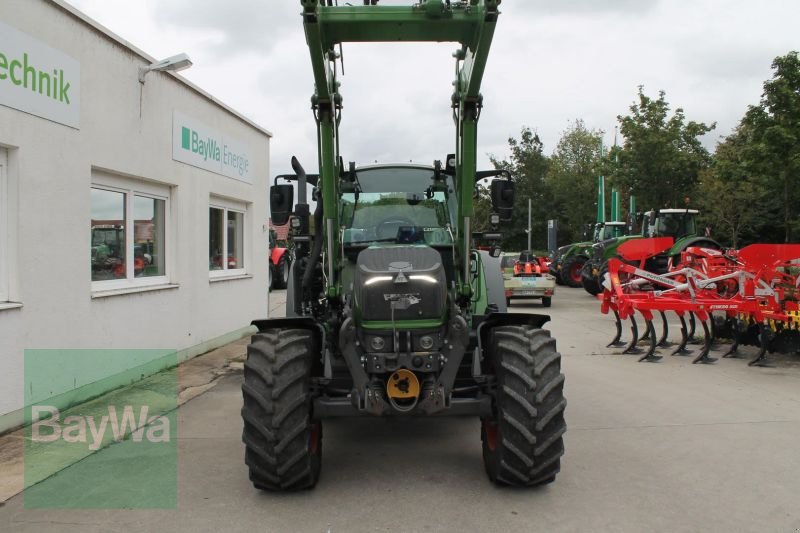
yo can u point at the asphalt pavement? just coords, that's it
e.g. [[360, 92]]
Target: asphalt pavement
[[668, 446]]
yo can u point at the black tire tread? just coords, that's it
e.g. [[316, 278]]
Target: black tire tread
[[566, 266], [277, 411], [529, 405]]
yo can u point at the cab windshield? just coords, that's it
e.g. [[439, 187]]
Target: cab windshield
[[402, 205], [674, 225]]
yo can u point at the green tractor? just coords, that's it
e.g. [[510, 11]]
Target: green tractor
[[567, 261], [390, 312], [680, 224]]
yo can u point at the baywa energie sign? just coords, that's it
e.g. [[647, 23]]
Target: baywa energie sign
[[38, 79], [204, 147]]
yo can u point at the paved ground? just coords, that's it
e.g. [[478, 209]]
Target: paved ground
[[650, 447]]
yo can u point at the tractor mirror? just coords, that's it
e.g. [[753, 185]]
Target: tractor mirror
[[495, 251], [281, 199], [503, 193]]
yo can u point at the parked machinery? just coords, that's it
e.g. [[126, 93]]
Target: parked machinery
[[749, 296], [390, 312]]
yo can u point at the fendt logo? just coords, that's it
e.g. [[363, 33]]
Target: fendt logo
[[73, 429], [208, 148]]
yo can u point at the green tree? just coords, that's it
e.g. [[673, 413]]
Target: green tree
[[529, 166], [730, 184], [574, 167], [775, 124], [662, 155]]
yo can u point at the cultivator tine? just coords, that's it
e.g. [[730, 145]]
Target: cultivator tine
[[712, 331], [663, 342], [650, 356], [616, 342], [692, 328], [733, 351], [646, 335], [631, 348], [681, 349], [761, 356], [703, 357]]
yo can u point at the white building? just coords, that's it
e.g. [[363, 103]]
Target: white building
[[115, 197]]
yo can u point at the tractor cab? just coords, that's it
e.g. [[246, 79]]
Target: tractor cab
[[675, 223], [609, 230], [401, 204]]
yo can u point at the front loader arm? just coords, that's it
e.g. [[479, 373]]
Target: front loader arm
[[470, 23]]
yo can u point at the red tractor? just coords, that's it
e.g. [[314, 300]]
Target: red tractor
[[280, 260]]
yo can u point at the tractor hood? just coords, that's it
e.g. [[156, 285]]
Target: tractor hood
[[399, 283]]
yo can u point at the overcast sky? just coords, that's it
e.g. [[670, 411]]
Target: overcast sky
[[552, 61]]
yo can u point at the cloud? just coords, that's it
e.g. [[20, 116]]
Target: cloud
[[581, 7], [244, 25]]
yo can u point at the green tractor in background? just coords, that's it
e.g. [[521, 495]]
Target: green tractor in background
[[680, 224], [568, 261], [390, 311]]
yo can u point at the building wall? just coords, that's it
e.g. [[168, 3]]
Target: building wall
[[126, 129]]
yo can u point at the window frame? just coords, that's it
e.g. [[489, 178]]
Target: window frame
[[131, 188], [5, 228], [227, 206]]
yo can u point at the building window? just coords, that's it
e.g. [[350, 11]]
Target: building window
[[4, 226], [226, 239], [128, 234]]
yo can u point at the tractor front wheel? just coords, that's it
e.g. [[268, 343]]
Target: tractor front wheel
[[590, 283], [283, 443], [571, 270], [523, 441]]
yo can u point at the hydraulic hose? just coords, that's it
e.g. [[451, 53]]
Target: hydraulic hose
[[316, 250]]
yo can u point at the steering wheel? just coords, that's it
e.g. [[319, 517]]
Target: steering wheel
[[387, 229]]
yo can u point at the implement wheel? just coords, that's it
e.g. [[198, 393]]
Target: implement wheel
[[283, 442], [571, 270], [523, 442]]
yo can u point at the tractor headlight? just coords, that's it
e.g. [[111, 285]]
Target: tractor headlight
[[377, 344], [426, 342]]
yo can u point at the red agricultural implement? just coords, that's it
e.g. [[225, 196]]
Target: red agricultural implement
[[750, 296]]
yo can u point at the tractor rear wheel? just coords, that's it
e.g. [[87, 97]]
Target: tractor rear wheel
[[547, 301], [281, 279], [571, 270], [283, 443], [523, 442]]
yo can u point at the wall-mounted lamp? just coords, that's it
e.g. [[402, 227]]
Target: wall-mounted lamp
[[174, 64]]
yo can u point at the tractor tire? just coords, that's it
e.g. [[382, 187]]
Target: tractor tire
[[283, 443], [281, 279], [557, 274], [589, 282], [547, 301], [571, 270], [523, 443], [271, 275]]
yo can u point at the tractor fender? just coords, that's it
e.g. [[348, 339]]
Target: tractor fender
[[507, 319], [493, 274], [276, 254], [300, 322]]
